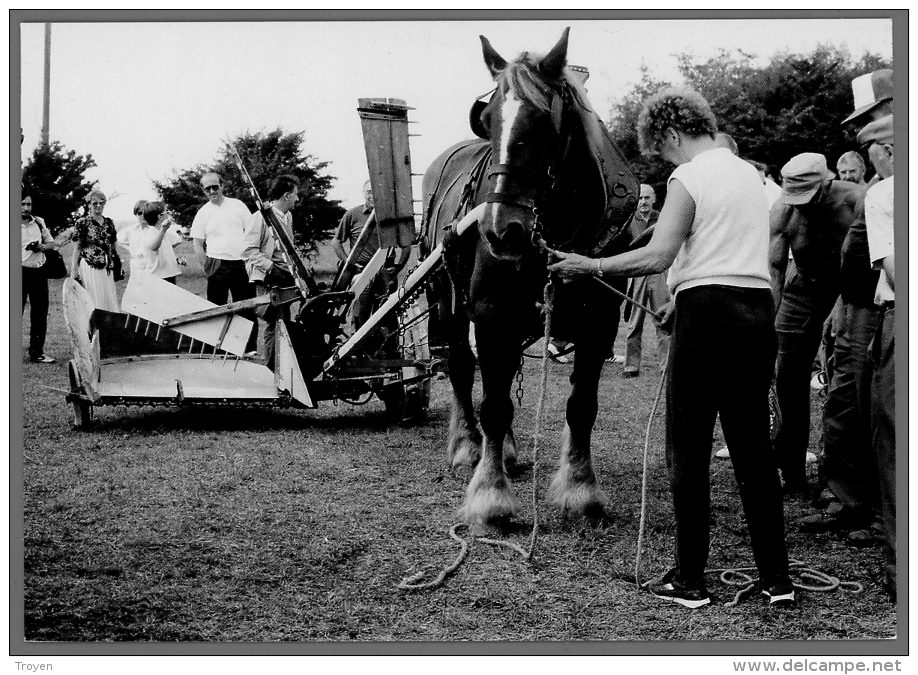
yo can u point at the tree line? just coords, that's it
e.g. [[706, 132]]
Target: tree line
[[794, 103]]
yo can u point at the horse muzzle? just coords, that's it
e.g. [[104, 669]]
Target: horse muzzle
[[505, 229]]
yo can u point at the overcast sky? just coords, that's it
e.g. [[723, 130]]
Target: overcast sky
[[150, 98]]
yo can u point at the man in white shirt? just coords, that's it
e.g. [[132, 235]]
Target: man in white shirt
[[217, 232], [264, 260], [878, 213]]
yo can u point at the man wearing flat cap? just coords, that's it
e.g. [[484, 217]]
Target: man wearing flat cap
[[878, 211], [811, 219]]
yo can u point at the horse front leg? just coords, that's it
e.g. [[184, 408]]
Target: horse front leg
[[574, 487], [489, 497], [464, 446]]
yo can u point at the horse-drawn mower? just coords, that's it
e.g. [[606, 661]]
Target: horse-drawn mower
[[171, 347]]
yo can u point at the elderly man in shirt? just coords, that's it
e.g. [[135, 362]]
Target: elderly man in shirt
[[217, 232], [878, 213], [265, 263], [811, 219], [650, 291]]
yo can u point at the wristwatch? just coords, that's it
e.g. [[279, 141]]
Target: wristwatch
[[599, 268]]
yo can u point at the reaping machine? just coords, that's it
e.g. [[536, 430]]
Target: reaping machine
[[171, 347]]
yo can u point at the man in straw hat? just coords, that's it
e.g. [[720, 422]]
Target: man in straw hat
[[810, 219], [878, 211], [848, 467]]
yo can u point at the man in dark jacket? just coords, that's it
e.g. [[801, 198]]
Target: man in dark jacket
[[650, 291], [811, 219]]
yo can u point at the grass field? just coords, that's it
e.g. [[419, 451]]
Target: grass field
[[260, 525]]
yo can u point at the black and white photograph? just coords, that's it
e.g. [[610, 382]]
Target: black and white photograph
[[470, 333]]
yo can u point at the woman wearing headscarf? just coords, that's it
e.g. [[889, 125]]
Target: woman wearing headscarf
[[713, 235], [94, 256]]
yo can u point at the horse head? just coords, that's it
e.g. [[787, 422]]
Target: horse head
[[523, 120]]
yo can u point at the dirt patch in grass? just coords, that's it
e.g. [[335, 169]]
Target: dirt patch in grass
[[269, 525]]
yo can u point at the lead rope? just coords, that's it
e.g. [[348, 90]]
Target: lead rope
[[411, 583], [640, 541]]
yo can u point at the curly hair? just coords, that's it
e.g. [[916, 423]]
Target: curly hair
[[679, 108]]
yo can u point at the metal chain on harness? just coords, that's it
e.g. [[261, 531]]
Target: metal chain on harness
[[519, 384]]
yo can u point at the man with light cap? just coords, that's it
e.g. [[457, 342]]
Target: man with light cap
[[878, 212], [811, 219]]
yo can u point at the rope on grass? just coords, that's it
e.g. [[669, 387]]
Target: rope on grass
[[410, 583], [640, 541], [736, 576]]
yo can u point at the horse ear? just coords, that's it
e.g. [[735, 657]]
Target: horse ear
[[553, 62], [493, 60]]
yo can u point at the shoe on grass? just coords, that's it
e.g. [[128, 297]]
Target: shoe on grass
[[780, 594], [42, 359], [630, 373], [828, 522], [616, 358], [668, 588], [723, 453]]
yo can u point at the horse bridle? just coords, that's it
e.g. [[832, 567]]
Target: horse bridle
[[518, 198]]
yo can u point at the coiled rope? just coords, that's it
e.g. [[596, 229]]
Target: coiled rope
[[736, 576]]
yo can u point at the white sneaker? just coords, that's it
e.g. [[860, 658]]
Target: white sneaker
[[616, 358], [723, 453], [810, 457]]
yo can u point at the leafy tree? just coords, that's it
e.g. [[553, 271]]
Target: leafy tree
[[265, 156], [55, 178], [794, 104]]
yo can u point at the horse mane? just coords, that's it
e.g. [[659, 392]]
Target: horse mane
[[523, 78]]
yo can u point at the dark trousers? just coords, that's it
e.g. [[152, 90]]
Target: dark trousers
[[804, 308], [716, 328], [228, 277], [35, 290], [883, 422], [848, 466]]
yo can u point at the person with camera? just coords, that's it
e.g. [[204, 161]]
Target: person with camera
[[36, 239], [151, 242]]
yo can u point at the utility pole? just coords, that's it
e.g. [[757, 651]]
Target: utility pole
[[46, 121]]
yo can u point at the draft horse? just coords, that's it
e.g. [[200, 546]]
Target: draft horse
[[547, 172]]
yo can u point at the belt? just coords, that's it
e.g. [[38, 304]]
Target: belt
[[890, 304]]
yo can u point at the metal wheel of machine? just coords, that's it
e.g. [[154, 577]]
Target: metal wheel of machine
[[82, 411]]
